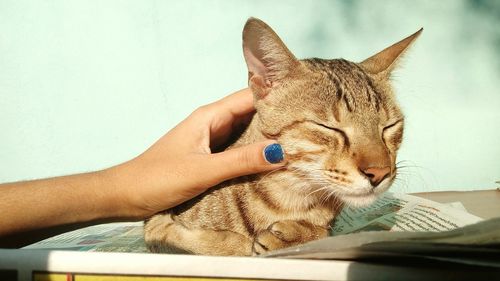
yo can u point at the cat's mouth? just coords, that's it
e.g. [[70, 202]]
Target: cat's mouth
[[361, 192]]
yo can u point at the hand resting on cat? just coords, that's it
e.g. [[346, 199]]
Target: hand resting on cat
[[176, 168]]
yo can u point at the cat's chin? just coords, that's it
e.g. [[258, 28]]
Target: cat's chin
[[359, 201], [364, 200]]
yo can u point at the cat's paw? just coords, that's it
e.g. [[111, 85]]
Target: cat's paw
[[277, 236]]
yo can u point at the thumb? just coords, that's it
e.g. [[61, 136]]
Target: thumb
[[245, 160]]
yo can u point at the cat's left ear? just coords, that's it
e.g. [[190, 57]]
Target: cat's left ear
[[386, 60], [267, 57]]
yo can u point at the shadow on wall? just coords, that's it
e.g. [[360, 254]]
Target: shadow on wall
[[344, 19], [489, 12]]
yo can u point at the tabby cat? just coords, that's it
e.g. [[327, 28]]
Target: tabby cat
[[340, 127]]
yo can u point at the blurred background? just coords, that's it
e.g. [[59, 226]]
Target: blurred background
[[85, 85]]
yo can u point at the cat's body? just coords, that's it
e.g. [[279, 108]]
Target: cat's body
[[238, 210], [340, 128]]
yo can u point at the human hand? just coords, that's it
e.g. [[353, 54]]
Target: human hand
[[181, 164]]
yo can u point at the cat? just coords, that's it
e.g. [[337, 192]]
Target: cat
[[340, 127]]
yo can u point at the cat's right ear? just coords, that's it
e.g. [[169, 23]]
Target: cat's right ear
[[267, 57], [386, 60]]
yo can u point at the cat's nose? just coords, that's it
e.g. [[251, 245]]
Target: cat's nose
[[376, 174]]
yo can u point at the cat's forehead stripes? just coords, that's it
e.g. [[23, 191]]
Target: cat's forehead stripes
[[352, 85]]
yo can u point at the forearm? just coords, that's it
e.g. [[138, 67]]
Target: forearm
[[63, 200], [178, 167]]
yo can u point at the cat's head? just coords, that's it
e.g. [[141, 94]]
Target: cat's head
[[337, 120]]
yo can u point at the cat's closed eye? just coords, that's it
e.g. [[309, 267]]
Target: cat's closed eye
[[388, 129], [334, 129], [393, 124], [392, 134], [329, 127]]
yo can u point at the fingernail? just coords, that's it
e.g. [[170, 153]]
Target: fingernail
[[274, 153]]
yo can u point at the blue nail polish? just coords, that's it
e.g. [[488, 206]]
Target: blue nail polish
[[273, 153]]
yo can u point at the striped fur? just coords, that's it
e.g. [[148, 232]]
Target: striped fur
[[331, 116]]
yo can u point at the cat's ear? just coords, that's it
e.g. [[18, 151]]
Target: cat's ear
[[386, 60], [267, 57]]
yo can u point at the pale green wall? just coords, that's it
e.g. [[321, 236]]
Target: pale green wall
[[88, 84]]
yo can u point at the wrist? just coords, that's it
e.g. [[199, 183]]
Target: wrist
[[121, 192]]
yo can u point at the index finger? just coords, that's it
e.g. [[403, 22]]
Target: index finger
[[238, 104]]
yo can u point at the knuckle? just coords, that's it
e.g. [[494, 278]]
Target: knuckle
[[246, 160], [201, 110], [204, 112]]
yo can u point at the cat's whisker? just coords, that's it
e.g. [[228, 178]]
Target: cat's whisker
[[268, 174], [322, 180], [317, 190], [331, 193], [400, 181]]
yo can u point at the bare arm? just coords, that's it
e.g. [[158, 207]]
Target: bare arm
[[176, 168], [63, 200]]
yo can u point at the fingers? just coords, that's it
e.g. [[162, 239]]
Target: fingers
[[238, 104], [250, 159], [224, 116]]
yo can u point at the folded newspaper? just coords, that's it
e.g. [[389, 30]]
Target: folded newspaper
[[396, 226]]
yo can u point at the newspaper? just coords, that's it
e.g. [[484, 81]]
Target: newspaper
[[402, 212], [472, 245], [111, 237], [391, 212], [403, 228]]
